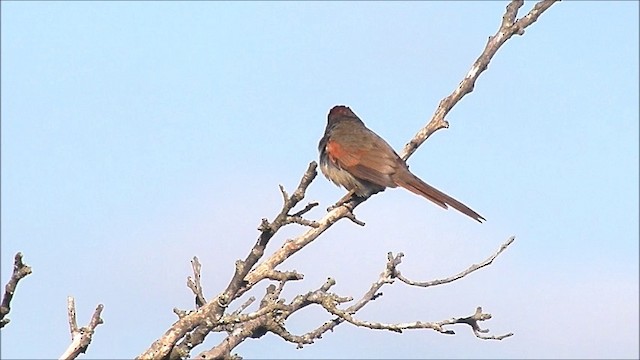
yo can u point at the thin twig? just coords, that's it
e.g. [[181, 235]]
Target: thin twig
[[437, 326], [244, 305], [194, 283], [20, 271], [459, 275], [306, 209]]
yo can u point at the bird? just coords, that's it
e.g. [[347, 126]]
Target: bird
[[358, 159]]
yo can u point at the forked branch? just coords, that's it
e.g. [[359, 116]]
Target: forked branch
[[80, 336]]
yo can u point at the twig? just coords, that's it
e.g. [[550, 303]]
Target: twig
[[302, 221], [306, 209], [437, 326], [245, 305], [294, 245], [459, 275], [194, 283], [283, 276], [372, 294], [80, 337], [20, 271], [478, 332]]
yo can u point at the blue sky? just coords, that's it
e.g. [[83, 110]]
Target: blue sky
[[136, 135]]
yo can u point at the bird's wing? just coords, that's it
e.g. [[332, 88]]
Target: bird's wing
[[366, 161]]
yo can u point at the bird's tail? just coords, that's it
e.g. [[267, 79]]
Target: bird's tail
[[417, 186]]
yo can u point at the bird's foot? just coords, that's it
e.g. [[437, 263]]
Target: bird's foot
[[345, 199]]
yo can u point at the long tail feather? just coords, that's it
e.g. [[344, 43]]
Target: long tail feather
[[417, 186]]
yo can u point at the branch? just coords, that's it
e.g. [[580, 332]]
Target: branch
[[457, 276], [273, 312], [253, 325], [194, 284], [437, 326], [508, 28], [387, 277], [20, 271], [80, 337], [199, 323]]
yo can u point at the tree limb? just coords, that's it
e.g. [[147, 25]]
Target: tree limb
[[509, 27]]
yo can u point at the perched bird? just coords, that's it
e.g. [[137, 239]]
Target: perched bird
[[358, 159]]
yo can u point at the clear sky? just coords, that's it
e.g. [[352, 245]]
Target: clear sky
[[136, 135]]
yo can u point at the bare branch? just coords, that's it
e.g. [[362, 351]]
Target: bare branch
[[283, 275], [291, 201], [71, 314], [302, 221], [459, 275], [273, 312], [387, 277], [306, 209], [80, 337], [509, 27], [477, 331], [292, 246], [351, 216], [254, 325], [437, 326], [194, 284], [20, 271], [202, 321], [330, 303], [245, 305]]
